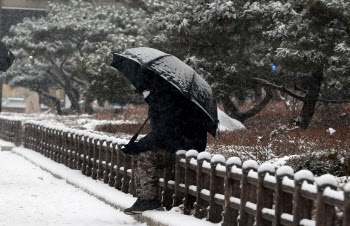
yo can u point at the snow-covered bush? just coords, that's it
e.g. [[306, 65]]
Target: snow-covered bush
[[335, 163]]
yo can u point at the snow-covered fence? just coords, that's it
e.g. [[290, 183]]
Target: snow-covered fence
[[207, 186], [247, 193], [11, 130]]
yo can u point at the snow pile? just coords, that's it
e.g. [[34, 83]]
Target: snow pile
[[250, 164], [191, 153], [234, 161], [218, 159], [226, 123], [204, 156], [304, 175], [266, 167], [331, 131], [285, 171], [327, 180]]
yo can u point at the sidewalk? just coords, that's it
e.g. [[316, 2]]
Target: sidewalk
[[30, 196]]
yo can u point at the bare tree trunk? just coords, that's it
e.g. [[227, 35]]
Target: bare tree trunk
[[233, 111], [310, 100]]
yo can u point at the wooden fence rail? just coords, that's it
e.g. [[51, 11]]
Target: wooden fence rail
[[207, 186]]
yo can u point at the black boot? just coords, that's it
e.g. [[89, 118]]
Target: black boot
[[142, 205]]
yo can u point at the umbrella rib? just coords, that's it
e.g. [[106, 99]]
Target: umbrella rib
[[190, 88], [155, 59]]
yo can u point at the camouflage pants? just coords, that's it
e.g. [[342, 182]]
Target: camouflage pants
[[149, 165]]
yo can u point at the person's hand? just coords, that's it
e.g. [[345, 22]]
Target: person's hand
[[129, 149]]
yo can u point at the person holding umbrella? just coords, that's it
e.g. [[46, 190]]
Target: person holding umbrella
[[182, 110]]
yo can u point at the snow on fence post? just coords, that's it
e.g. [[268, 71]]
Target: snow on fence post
[[178, 195], [325, 213], [232, 189], [85, 147], [57, 144], [201, 204], [71, 147], [109, 150], [75, 149], [101, 158], [54, 144], [112, 174], [65, 147], [90, 154], [37, 143], [217, 165], [190, 181], [167, 194], [247, 191], [118, 175], [2, 130], [48, 142], [18, 133], [302, 207], [133, 166], [94, 157], [346, 205], [284, 201], [78, 152], [25, 140], [29, 136], [60, 145], [264, 195], [126, 167]]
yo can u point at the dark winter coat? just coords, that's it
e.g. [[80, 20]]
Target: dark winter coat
[[6, 57], [174, 122]]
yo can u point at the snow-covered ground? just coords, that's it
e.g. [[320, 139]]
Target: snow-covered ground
[[31, 196]]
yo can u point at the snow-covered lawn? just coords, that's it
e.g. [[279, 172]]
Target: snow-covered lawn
[[31, 196]]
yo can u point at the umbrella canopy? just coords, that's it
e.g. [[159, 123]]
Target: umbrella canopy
[[138, 63], [6, 57]]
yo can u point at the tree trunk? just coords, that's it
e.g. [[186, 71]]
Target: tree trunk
[[233, 111], [310, 101], [88, 106], [55, 100], [75, 107], [73, 96]]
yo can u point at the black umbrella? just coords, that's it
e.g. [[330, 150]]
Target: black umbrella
[[138, 63], [6, 57]]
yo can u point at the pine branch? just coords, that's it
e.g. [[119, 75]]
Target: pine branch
[[280, 88], [292, 94]]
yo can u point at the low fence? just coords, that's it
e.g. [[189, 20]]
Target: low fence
[[205, 186], [11, 130]]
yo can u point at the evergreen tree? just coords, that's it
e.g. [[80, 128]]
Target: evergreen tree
[[70, 46], [224, 41], [314, 52]]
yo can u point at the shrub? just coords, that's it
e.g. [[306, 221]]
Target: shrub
[[336, 163]]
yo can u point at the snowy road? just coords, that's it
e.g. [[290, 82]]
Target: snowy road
[[30, 196]]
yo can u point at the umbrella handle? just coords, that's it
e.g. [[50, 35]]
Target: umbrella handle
[[133, 139]]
